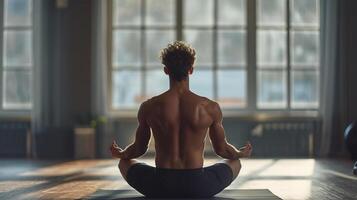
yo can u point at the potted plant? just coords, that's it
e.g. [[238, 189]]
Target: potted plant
[[84, 135]]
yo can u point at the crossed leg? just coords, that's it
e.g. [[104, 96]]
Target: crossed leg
[[124, 166], [235, 166]]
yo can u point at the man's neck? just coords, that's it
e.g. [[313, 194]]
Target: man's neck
[[179, 86]]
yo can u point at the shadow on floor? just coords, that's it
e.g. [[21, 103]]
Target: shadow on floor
[[131, 195], [225, 195]]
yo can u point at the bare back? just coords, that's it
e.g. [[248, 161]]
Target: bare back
[[179, 122]]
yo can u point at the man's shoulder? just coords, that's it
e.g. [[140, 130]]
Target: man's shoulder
[[145, 104], [152, 100], [211, 107], [201, 99]]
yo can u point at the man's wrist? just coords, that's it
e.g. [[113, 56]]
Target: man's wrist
[[237, 155]]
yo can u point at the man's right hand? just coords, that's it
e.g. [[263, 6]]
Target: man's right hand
[[246, 151], [116, 151]]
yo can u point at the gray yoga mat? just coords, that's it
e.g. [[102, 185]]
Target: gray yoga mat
[[257, 194]]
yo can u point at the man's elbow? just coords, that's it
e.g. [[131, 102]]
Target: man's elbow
[[142, 150], [220, 151]]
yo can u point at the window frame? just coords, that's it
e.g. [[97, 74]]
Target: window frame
[[251, 70], [18, 112]]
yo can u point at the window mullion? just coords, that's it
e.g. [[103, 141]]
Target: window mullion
[[179, 19], [110, 46], [288, 82], [143, 67], [1, 53], [251, 56], [215, 50]]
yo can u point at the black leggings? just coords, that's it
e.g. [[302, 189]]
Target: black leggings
[[179, 183]]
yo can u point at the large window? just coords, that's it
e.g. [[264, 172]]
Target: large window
[[16, 56], [252, 54], [287, 54]]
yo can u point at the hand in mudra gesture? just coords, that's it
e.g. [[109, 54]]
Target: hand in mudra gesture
[[116, 151], [246, 150]]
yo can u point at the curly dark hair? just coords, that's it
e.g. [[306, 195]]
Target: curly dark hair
[[178, 57]]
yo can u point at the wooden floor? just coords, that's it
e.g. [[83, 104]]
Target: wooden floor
[[286, 178]]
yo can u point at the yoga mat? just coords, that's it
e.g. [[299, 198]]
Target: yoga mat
[[249, 194]]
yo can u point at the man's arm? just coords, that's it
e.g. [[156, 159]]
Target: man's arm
[[218, 138], [142, 138]]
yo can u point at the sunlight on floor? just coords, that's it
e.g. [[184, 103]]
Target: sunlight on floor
[[293, 167], [63, 169], [252, 167], [6, 186], [286, 189], [71, 190], [287, 178]]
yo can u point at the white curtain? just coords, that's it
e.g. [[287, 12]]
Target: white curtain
[[39, 118], [48, 83], [332, 74], [100, 73]]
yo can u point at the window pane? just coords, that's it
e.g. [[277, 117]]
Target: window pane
[[202, 41], [201, 82], [198, 12], [271, 89], [232, 88], [155, 41], [160, 12], [157, 82], [231, 12], [305, 48], [126, 12], [17, 12], [305, 89], [231, 47], [304, 12], [17, 90], [271, 48], [17, 48], [126, 48], [126, 89], [271, 12]]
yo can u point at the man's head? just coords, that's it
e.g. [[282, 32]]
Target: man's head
[[178, 58]]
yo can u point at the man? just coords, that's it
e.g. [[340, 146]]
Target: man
[[179, 120]]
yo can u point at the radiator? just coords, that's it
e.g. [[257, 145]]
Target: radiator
[[13, 139], [283, 139]]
